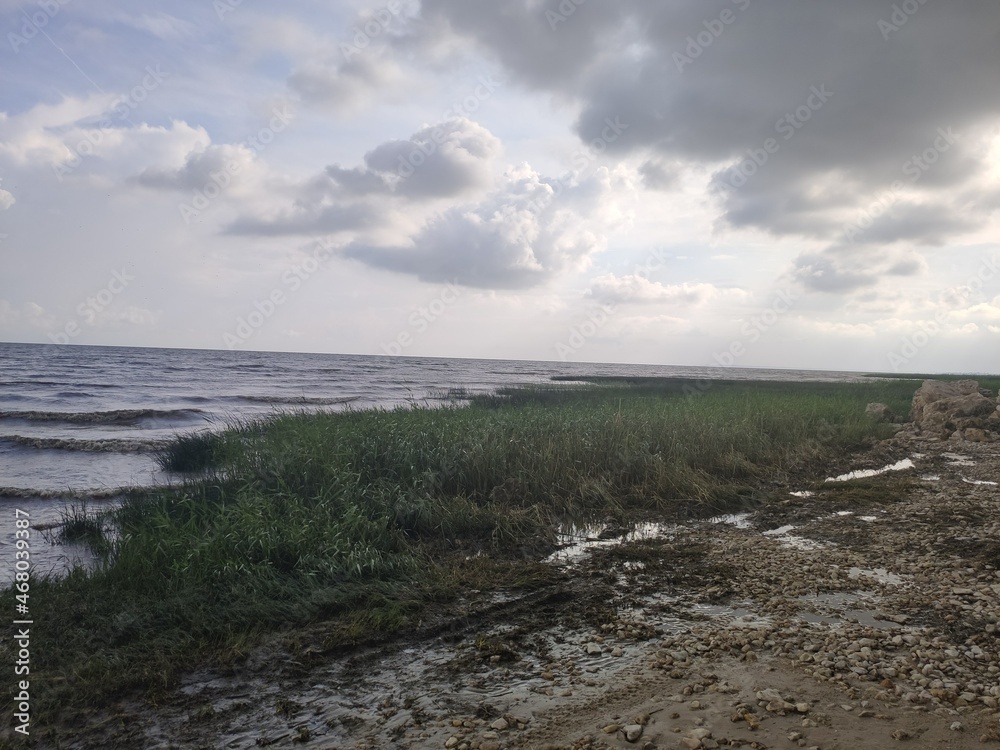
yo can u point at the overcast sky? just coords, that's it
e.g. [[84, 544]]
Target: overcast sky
[[778, 183]]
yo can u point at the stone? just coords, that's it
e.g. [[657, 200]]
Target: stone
[[944, 408], [880, 413], [632, 732], [594, 649], [500, 725]]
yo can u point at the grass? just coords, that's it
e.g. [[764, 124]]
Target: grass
[[364, 521]]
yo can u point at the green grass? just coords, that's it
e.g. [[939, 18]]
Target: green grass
[[362, 520]]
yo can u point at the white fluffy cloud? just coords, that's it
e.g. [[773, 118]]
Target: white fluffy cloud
[[523, 233]]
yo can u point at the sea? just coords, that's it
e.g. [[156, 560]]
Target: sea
[[79, 423]]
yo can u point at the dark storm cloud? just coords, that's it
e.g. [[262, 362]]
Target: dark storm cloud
[[847, 99]]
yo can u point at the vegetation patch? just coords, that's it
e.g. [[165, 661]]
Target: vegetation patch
[[365, 523]]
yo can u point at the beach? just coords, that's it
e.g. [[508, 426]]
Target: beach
[[631, 563]]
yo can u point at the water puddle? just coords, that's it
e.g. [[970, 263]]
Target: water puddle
[[787, 539], [865, 473], [576, 542], [739, 520], [879, 574], [838, 608]]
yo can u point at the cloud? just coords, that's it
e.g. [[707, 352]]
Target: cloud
[[345, 85], [444, 160], [450, 160], [611, 289], [716, 103], [844, 270], [528, 230], [6, 199], [658, 176], [215, 164]]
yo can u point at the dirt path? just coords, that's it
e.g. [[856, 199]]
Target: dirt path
[[861, 615]]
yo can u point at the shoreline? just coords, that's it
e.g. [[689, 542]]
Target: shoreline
[[532, 652]]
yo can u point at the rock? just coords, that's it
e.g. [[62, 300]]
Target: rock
[[880, 413], [500, 725], [617, 651], [901, 734], [610, 728], [699, 734], [452, 742], [690, 743], [594, 649], [632, 732], [943, 408], [977, 435], [957, 726]]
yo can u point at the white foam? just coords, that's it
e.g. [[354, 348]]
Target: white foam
[[802, 493], [957, 459], [864, 473], [781, 531], [979, 481]]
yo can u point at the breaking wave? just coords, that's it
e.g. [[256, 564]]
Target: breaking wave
[[116, 417], [100, 445]]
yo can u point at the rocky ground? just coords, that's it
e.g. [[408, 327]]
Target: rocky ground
[[847, 614]]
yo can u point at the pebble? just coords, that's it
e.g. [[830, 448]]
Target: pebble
[[633, 732]]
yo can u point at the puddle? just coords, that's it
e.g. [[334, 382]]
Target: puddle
[[838, 608], [979, 481], [879, 574], [739, 520], [791, 540], [675, 615], [576, 542], [865, 473]]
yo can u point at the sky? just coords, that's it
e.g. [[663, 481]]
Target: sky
[[736, 183]]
